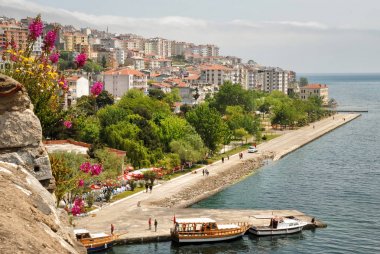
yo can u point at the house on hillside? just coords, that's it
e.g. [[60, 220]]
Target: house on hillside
[[119, 81], [319, 90]]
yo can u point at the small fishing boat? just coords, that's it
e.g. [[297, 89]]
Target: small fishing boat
[[199, 230], [279, 226], [95, 241]]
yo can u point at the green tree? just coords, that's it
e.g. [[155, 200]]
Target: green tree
[[65, 170], [104, 99], [303, 81], [208, 123], [88, 129], [104, 62], [173, 97], [156, 93]]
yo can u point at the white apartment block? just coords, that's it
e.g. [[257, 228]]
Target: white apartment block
[[158, 46], [78, 87], [275, 79], [120, 56], [255, 79], [215, 74], [239, 75], [111, 43], [179, 48], [118, 82], [138, 63]]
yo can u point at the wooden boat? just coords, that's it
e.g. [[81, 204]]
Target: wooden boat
[[95, 241], [199, 230], [279, 226]]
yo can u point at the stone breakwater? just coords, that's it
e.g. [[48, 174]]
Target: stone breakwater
[[212, 184]]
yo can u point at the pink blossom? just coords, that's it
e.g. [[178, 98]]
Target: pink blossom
[[85, 167], [68, 124], [54, 57], [77, 207], [81, 183], [80, 60], [49, 40], [96, 169], [97, 88], [35, 28]]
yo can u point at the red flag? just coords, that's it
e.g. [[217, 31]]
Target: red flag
[[174, 221]]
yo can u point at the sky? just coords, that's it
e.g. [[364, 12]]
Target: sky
[[307, 36]]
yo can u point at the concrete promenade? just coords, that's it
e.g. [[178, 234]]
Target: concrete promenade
[[126, 215]]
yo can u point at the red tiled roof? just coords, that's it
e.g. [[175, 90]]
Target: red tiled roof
[[125, 72], [73, 78], [215, 67], [315, 86]]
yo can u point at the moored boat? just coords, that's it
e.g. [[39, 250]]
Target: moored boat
[[199, 230], [279, 226], [95, 241]]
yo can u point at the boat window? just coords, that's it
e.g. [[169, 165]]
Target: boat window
[[290, 224]]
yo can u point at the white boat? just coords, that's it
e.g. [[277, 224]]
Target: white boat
[[279, 226], [199, 230]]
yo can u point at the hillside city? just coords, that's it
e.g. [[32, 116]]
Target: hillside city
[[128, 61]]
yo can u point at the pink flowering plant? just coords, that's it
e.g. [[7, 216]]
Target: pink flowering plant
[[96, 89], [38, 72]]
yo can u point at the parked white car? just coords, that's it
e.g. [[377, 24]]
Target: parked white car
[[252, 149]]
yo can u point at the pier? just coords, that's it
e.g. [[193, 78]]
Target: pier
[[172, 197]]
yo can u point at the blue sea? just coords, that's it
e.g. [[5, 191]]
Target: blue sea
[[335, 178]]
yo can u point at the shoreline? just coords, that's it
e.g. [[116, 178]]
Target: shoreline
[[174, 196]]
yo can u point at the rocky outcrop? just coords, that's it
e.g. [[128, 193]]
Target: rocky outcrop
[[29, 221], [21, 133]]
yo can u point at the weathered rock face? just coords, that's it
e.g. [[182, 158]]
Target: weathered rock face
[[29, 221], [21, 133]]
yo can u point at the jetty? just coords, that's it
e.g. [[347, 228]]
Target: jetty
[[171, 198]]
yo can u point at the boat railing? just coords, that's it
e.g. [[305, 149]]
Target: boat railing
[[244, 226]]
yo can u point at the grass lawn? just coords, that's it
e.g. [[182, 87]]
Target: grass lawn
[[126, 194]]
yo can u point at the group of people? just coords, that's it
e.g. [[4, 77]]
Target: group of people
[[150, 224], [205, 172]]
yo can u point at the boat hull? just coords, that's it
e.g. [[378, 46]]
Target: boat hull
[[207, 239], [270, 231], [99, 248]]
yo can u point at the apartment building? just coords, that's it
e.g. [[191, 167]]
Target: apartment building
[[275, 79], [75, 41], [119, 81], [319, 90], [158, 46], [215, 74], [9, 31], [78, 87], [120, 56], [179, 48]]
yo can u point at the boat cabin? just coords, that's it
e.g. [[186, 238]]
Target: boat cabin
[[280, 223]]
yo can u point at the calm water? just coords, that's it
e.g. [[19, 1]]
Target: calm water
[[336, 178]]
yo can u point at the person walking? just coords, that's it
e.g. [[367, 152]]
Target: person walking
[[222, 159], [203, 172], [112, 229], [228, 157], [155, 225], [146, 187], [150, 188], [207, 172], [150, 223]]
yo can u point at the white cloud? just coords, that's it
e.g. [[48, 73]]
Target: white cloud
[[304, 46]]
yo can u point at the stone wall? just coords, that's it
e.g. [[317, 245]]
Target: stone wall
[[21, 132]]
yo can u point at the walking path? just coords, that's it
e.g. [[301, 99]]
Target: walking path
[[127, 215]]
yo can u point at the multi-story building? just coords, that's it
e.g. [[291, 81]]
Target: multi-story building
[[215, 74], [319, 90], [120, 56], [118, 82], [158, 46], [76, 41], [255, 78], [275, 79], [137, 62], [16, 32], [179, 48], [78, 87], [111, 43], [239, 75]]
